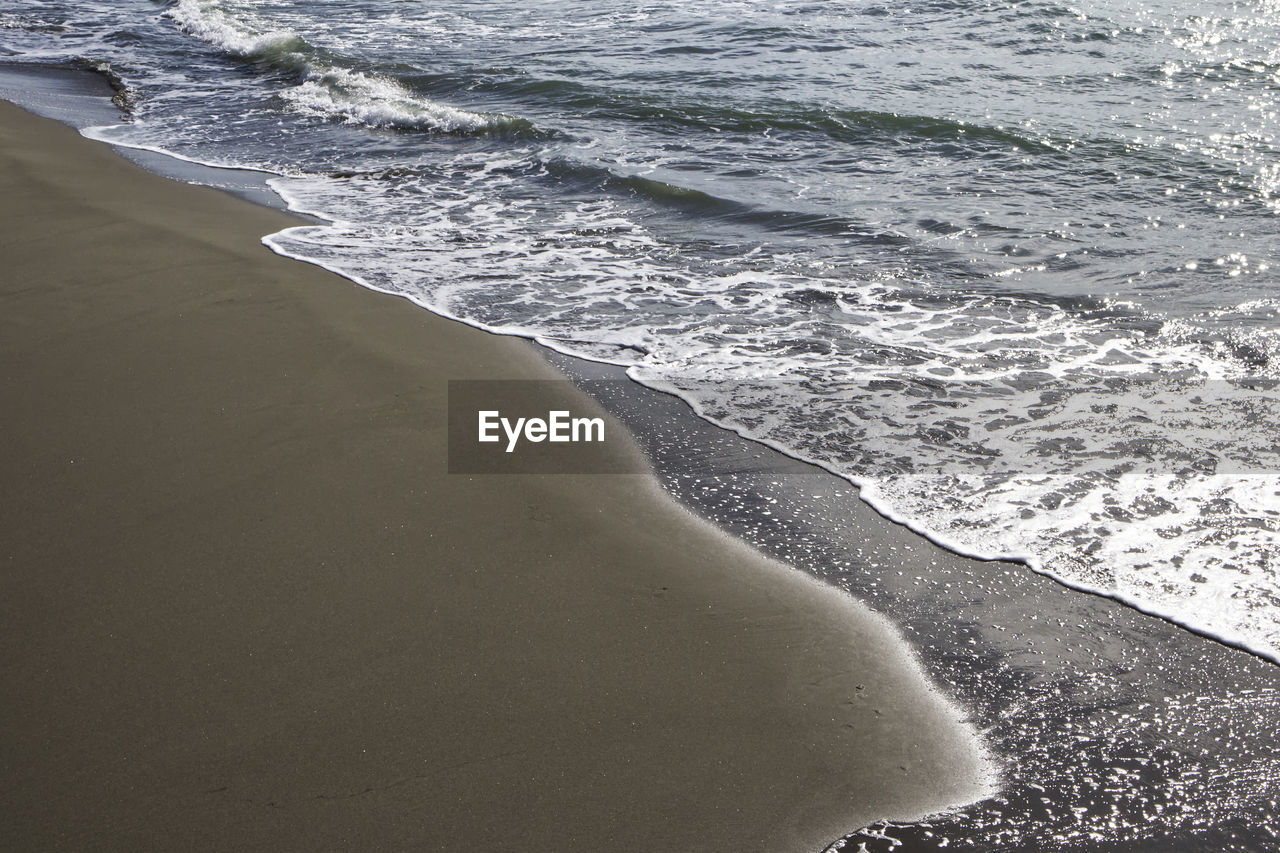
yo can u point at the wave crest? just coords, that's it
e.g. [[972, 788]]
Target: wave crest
[[240, 35], [380, 102]]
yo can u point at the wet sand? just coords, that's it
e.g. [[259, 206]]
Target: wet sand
[[245, 606]]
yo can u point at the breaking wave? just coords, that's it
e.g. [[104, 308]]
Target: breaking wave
[[323, 87]]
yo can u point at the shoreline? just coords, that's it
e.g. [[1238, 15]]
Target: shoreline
[[77, 97], [756, 735], [80, 97]]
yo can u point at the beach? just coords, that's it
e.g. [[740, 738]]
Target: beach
[[245, 605], [737, 426]]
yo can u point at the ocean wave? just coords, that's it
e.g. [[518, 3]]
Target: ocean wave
[[237, 33], [374, 101], [324, 86], [774, 116]]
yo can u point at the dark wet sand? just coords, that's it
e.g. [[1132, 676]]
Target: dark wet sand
[[245, 607]]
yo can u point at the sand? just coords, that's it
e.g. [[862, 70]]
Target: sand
[[245, 606]]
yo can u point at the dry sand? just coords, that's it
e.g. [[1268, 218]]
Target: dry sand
[[244, 607]]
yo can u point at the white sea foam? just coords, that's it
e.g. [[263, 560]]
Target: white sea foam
[[377, 102], [231, 28]]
